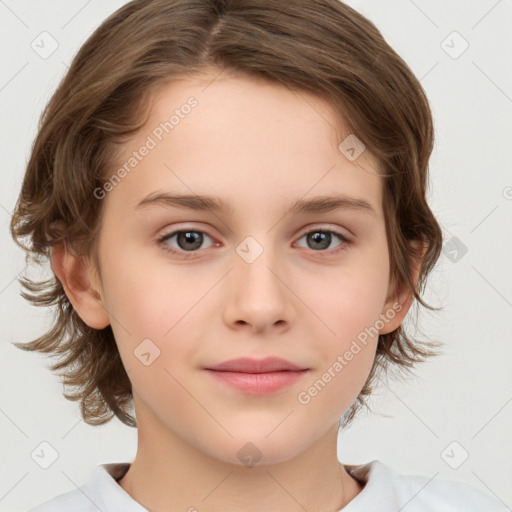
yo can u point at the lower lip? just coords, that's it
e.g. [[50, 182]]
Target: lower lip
[[258, 383]]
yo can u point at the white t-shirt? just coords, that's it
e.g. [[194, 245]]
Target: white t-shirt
[[384, 491]]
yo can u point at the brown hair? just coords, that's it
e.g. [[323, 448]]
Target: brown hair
[[322, 47]]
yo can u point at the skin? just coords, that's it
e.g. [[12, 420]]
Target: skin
[[258, 146]]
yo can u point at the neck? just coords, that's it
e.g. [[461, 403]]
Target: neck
[[178, 473]]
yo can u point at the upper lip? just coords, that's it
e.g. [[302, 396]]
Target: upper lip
[[248, 365]]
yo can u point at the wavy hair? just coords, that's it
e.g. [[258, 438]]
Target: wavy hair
[[322, 47]]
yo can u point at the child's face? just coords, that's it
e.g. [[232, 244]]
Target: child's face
[[259, 148]]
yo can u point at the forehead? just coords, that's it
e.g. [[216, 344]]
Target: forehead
[[242, 139]]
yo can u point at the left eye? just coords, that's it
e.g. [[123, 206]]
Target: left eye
[[321, 238]]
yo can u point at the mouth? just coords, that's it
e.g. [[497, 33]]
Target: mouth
[[257, 376], [250, 365]]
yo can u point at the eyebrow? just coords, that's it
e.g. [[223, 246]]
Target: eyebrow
[[320, 204]]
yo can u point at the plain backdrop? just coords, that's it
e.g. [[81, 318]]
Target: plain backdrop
[[453, 419]]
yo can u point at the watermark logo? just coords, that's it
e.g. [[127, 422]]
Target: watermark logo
[[454, 249], [45, 45], [455, 455], [454, 45], [146, 352], [249, 249], [351, 147], [249, 454], [44, 454]]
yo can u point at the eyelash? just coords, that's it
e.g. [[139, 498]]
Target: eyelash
[[191, 254]]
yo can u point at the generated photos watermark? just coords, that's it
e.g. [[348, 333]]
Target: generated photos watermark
[[305, 397], [157, 135]]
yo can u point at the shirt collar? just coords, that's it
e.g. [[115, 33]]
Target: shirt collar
[[378, 492], [376, 477]]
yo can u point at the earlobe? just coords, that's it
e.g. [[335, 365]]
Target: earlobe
[[395, 311], [398, 304], [77, 279]]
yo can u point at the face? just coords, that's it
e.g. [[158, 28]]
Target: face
[[186, 289]]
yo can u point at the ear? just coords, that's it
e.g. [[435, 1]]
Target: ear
[[81, 285], [400, 300]]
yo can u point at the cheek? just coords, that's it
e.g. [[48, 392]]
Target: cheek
[[334, 389], [350, 297], [155, 312], [148, 299], [349, 304], [346, 357]]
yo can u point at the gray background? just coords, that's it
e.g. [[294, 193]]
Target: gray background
[[457, 405]]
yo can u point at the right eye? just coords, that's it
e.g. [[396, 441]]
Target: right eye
[[187, 240]]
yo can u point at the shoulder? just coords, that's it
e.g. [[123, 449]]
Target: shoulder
[[102, 492], [448, 495], [421, 493], [72, 500]]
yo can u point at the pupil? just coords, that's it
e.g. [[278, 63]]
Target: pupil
[[321, 237], [189, 237]]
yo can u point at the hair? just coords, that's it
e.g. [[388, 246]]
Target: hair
[[322, 47]]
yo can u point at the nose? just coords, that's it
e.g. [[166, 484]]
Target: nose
[[258, 298]]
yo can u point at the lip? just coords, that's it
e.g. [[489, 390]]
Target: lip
[[257, 376], [249, 365]]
